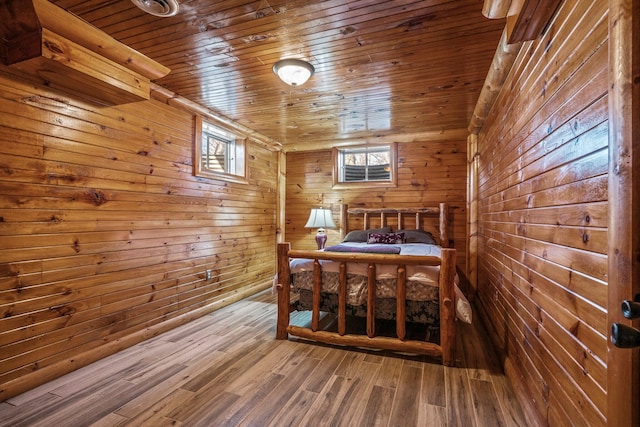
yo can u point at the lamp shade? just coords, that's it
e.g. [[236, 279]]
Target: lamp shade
[[320, 218], [293, 72]]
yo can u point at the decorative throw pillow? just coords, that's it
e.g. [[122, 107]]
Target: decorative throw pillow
[[418, 236], [385, 238], [361, 235]]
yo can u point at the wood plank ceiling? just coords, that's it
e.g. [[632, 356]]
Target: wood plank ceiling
[[383, 68]]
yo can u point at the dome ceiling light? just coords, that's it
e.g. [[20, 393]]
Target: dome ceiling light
[[161, 8], [293, 72]]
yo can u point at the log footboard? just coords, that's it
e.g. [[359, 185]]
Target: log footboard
[[445, 349]]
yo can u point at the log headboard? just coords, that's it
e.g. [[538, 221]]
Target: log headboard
[[399, 213]]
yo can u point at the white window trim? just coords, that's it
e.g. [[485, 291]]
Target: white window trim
[[240, 161], [393, 162]]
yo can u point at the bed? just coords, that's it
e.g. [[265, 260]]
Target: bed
[[390, 273]]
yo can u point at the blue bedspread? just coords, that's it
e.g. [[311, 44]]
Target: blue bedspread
[[377, 249]]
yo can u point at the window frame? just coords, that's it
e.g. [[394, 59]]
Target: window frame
[[393, 163], [240, 163]]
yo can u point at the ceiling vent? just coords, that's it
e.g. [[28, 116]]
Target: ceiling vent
[[158, 7]]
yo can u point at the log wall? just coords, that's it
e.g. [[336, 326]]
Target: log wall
[[105, 233], [429, 172], [543, 218]]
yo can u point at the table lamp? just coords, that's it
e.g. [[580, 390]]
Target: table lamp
[[320, 218]]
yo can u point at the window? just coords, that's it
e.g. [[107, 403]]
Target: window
[[218, 153], [371, 165]]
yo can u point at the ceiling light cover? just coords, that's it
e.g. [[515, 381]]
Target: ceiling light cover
[[158, 7], [293, 72]]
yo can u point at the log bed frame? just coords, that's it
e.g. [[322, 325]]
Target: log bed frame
[[446, 348]]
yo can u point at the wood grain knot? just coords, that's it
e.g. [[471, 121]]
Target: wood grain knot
[[53, 47]]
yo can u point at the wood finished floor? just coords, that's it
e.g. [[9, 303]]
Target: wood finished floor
[[226, 369]]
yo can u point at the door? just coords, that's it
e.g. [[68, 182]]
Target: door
[[623, 364]]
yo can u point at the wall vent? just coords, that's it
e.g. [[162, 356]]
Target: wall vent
[[158, 7]]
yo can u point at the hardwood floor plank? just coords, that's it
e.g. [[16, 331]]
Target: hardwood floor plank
[[166, 422], [157, 413], [505, 397], [111, 420], [89, 405], [226, 369], [415, 360], [209, 414], [212, 383], [325, 369], [350, 362], [89, 409], [293, 354], [485, 405], [475, 358], [433, 385], [253, 397], [459, 406], [407, 402], [389, 373], [376, 356], [29, 411], [360, 387], [320, 350], [295, 411], [262, 414], [253, 377], [433, 415], [157, 394], [327, 404], [378, 409]]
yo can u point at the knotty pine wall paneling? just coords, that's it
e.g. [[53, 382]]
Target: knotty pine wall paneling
[[105, 233], [429, 172], [542, 263]]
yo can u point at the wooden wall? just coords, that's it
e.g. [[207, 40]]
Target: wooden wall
[[429, 172], [105, 233], [543, 219]]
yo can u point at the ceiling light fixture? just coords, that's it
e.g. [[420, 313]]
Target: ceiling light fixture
[[161, 8], [293, 72]]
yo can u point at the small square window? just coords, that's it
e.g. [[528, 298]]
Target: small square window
[[218, 153], [370, 165]]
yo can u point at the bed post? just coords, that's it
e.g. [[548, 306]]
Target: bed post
[[448, 306], [444, 225], [371, 300], [401, 299], [344, 220], [284, 290], [317, 288]]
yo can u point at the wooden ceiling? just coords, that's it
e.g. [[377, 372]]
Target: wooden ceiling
[[407, 69]]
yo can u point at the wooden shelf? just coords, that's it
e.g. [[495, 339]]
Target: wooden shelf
[[63, 51]]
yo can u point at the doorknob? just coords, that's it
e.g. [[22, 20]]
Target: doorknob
[[631, 309], [623, 336]]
